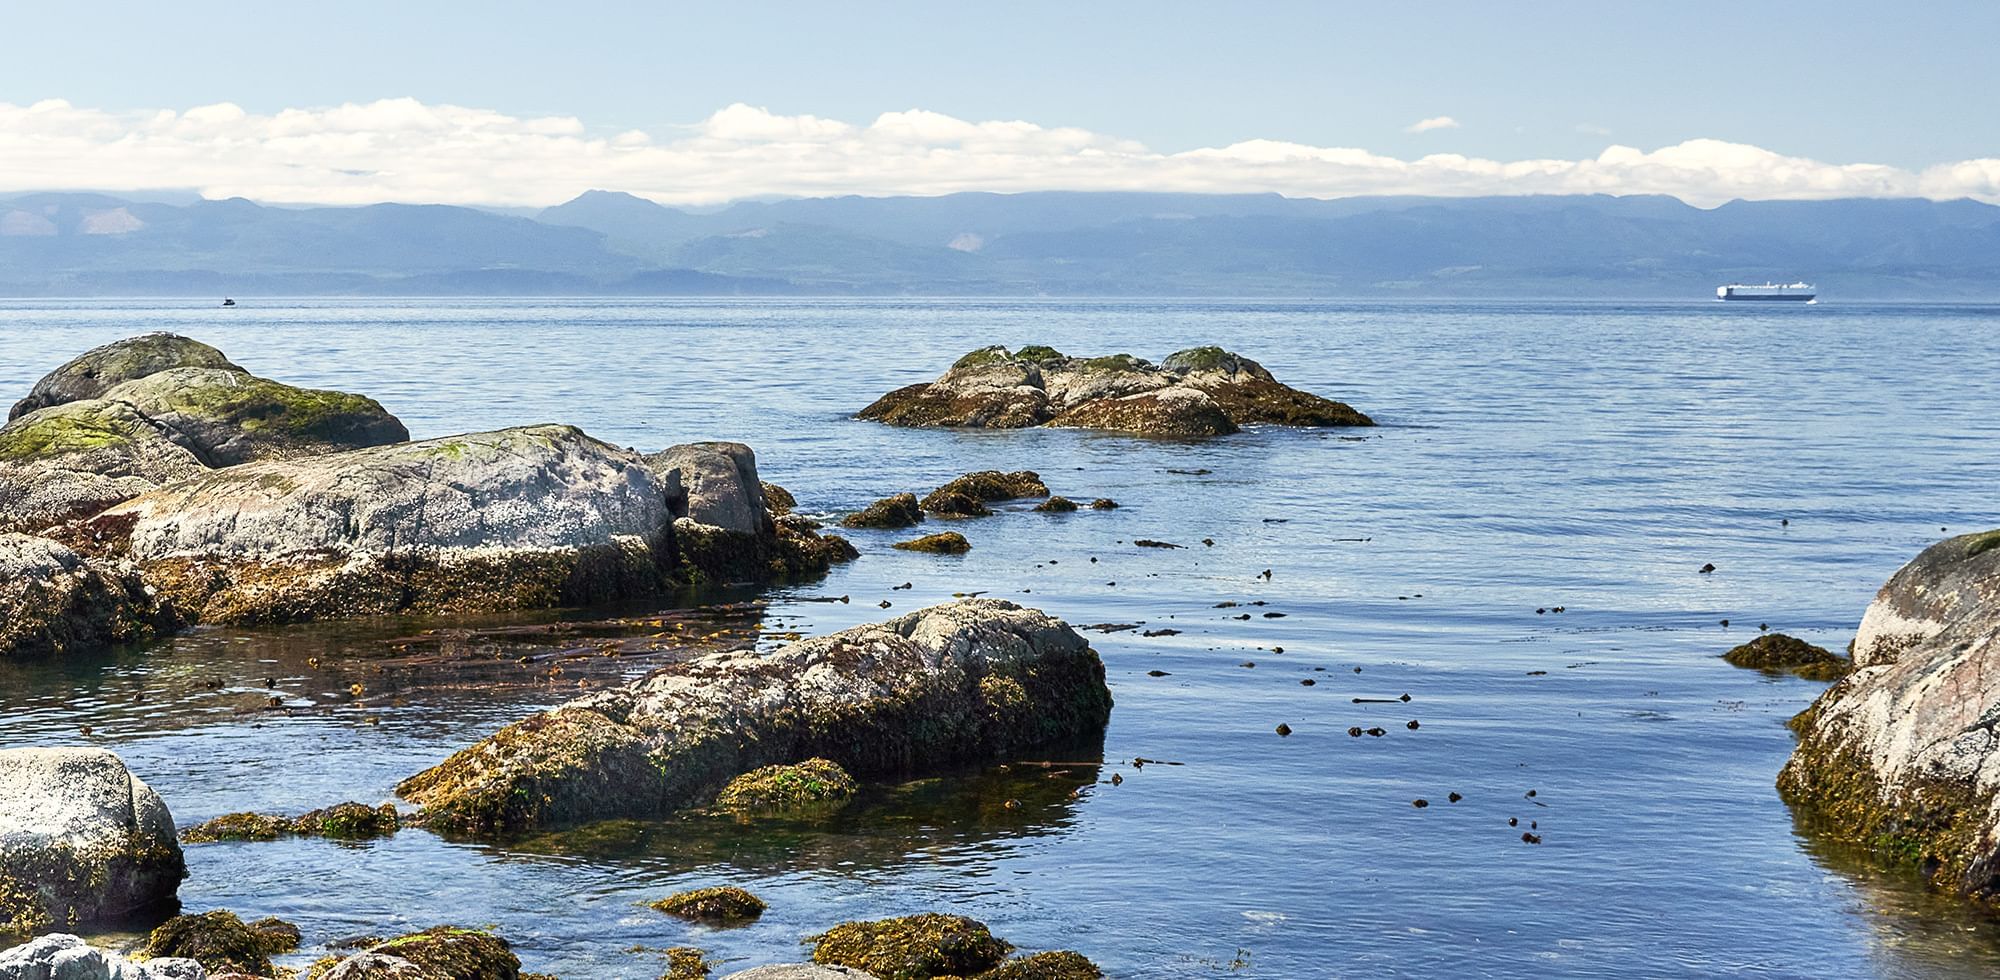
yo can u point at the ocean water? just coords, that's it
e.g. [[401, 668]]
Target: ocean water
[[1531, 456]]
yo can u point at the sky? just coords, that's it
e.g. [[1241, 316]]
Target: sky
[[529, 103]]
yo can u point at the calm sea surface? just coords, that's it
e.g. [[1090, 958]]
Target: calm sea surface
[[1587, 456]]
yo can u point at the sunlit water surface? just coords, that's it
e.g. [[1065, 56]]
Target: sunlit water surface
[[1587, 456]]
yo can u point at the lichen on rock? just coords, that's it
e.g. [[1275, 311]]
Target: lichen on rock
[[82, 841], [54, 601], [91, 374]]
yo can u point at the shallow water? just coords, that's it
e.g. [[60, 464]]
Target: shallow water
[[1532, 455]]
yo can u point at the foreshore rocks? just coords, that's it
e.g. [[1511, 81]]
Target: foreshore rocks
[[53, 601], [1777, 652], [438, 953], [1902, 756], [100, 369], [82, 841], [61, 956], [952, 684], [1202, 391]]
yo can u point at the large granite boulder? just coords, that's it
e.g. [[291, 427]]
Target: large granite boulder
[[55, 601], [1903, 755], [951, 684], [1201, 391], [82, 840], [75, 459], [61, 956], [100, 369], [230, 416]]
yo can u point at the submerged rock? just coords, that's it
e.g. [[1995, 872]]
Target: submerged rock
[[805, 785], [60, 956], [942, 543], [1903, 755], [987, 486], [100, 369], [1779, 652], [722, 905], [82, 841], [913, 947], [900, 510], [1202, 391], [342, 821], [944, 686], [1056, 505], [218, 940], [54, 601]]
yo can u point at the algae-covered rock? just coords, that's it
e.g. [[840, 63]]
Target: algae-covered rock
[[912, 947], [1779, 652], [75, 459], [804, 785], [1058, 965], [230, 416], [1104, 503], [278, 935], [347, 821], [1902, 756], [1056, 505], [100, 369], [54, 601], [238, 827], [943, 686], [1201, 391], [942, 543], [218, 940], [438, 953], [778, 500], [61, 956], [82, 841], [900, 510], [685, 963], [1179, 412], [799, 971], [987, 486], [952, 504], [722, 905]]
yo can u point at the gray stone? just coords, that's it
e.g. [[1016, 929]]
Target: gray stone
[[75, 459], [720, 483], [60, 956], [82, 840], [231, 416], [943, 686], [100, 369]]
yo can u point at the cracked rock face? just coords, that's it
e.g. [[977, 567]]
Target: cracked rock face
[[968, 681], [1903, 755], [1202, 391]]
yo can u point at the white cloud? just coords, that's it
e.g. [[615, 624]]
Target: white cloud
[[1434, 122], [405, 150]]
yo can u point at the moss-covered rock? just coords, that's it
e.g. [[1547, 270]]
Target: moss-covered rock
[[1104, 503], [100, 369], [1057, 965], [278, 935], [917, 693], [1902, 756], [85, 842], [230, 416], [811, 784], [1779, 652], [218, 940], [987, 486], [912, 947], [721, 905], [347, 821], [74, 460], [1056, 505], [993, 388], [900, 510], [238, 827], [942, 504], [942, 543]]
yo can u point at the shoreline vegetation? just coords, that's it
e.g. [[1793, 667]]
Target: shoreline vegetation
[[152, 485]]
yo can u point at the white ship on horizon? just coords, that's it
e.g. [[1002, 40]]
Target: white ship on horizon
[[1796, 292]]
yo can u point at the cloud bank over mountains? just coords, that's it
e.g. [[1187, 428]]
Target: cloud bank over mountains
[[406, 150]]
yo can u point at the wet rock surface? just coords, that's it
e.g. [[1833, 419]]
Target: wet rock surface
[[722, 905], [957, 683], [343, 821], [809, 785], [942, 543], [55, 601], [1202, 391], [82, 841], [1902, 756]]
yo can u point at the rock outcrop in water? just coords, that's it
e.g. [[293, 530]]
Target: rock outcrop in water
[[951, 684], [82, 841], [55, 601], [61, 956], [131, 416], [1903, 755], [1203, 391]]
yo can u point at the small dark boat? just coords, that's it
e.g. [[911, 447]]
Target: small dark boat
[[226, 301]]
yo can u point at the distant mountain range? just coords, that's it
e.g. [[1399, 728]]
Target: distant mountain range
[[1053, 243]]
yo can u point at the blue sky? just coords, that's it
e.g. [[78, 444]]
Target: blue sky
[[1836, 82]]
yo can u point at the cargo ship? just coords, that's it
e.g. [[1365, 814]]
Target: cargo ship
[[1797, 292]]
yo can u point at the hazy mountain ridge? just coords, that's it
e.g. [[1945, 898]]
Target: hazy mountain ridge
[[979, 243]]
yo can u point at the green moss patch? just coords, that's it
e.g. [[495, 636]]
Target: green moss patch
[[1982, 543], [809, 784], [984, 356], [722, 905], [343, 821]]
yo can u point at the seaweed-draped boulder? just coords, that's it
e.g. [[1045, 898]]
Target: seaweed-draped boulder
[[55, 601], [519, 518], [1201, 391], [1903, 755], [956, 683], [98, 370], [82, 840]]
